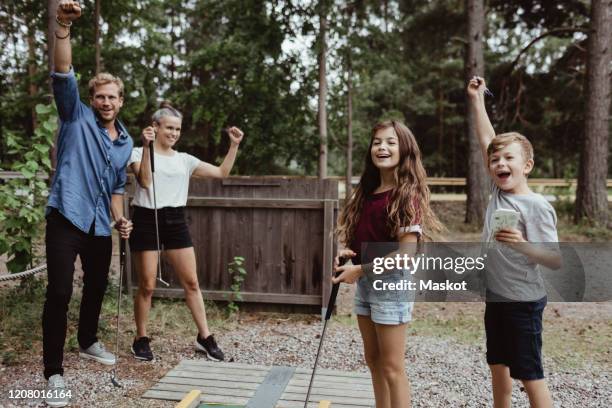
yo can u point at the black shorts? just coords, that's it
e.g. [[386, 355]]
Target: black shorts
[[514, 337], [173, 230]]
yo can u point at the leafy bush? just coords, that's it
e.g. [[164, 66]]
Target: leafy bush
[[22, 200]]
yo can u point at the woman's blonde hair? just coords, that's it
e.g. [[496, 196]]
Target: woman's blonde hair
[[409, 201]]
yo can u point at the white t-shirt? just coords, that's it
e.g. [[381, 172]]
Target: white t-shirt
[[171, 175]]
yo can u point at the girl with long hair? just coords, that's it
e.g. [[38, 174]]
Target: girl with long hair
[[390, 205]]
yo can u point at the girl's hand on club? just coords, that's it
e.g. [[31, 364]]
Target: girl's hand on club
[[148, 136], [345, 253], [235, 135], [509, 235], [348, 274]]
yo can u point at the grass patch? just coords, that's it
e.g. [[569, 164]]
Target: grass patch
[[20, 320], [21, 310], [572, 343]]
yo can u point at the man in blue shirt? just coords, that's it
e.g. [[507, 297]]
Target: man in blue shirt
[[93, 149]]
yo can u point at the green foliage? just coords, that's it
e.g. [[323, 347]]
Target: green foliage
[[252, 63], [22, 200], [238, 274], [20, 309]]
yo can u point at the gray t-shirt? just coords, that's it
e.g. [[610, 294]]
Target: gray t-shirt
[[509, 273]]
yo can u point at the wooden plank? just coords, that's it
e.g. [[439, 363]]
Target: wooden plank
[[194, 366], [235, 202], [331, 383], [241, 182], [334, 373], [212, 391], [177, 396], [271, 389], [194, 374], [344, 399], [191, 400], [299, 379], [340, 389], [216, 364], [315, 404], [284, 298], [299, 371], [205, 383]]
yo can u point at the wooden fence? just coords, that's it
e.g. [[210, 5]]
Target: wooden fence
[[282, 226]]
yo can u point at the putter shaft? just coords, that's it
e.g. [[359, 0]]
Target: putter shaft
[[328, 313], [122, 255], [152, 157]]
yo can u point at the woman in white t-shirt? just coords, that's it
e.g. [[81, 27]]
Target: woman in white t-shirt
[[172, 171]]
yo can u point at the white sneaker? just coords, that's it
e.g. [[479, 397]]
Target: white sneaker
[[97, 352], [56, 393]]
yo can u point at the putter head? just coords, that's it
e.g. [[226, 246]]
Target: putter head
[[116, 383]]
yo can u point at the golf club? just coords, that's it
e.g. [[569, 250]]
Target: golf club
[[328, 313], [487, 92], [159, 275], [122, 255]]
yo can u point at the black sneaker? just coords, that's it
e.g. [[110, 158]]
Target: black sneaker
[[142, 350], [209, 346]]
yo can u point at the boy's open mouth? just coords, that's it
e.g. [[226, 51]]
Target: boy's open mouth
[[503, 175]]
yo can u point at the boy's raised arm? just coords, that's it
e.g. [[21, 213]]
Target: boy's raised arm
[[484, 128]]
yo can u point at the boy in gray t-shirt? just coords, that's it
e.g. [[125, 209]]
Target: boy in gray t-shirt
[[516, 296], [510, 273]]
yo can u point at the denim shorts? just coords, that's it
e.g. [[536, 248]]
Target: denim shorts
[[173, 230], [383, 307], [514, 337]]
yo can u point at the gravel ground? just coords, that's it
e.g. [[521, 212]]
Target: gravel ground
[[443, 372]]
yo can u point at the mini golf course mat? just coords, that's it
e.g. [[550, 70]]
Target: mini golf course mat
[[219, 406], [256, 386]]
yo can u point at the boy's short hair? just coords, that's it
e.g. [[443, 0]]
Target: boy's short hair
[[502, 140], [104, 78]]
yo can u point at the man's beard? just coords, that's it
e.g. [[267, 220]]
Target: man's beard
[[101, 119]]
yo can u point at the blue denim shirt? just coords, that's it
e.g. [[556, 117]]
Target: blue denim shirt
[[90, 166]]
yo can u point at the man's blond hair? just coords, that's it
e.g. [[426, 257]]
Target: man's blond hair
[[104, 78], [502, 140]]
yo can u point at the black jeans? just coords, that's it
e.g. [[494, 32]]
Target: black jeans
[[63, 243]]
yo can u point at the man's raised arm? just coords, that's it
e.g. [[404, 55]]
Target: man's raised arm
[[67, 12]]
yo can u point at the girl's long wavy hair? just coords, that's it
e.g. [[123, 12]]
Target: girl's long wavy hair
[[409, 201]]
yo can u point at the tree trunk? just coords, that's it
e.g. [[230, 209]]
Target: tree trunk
[[474, 65], [32, 87], [592, 195], [51, 27], [322, 117], [349, 127], [97, 35]]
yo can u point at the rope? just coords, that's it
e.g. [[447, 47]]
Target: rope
[[23, 274]]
